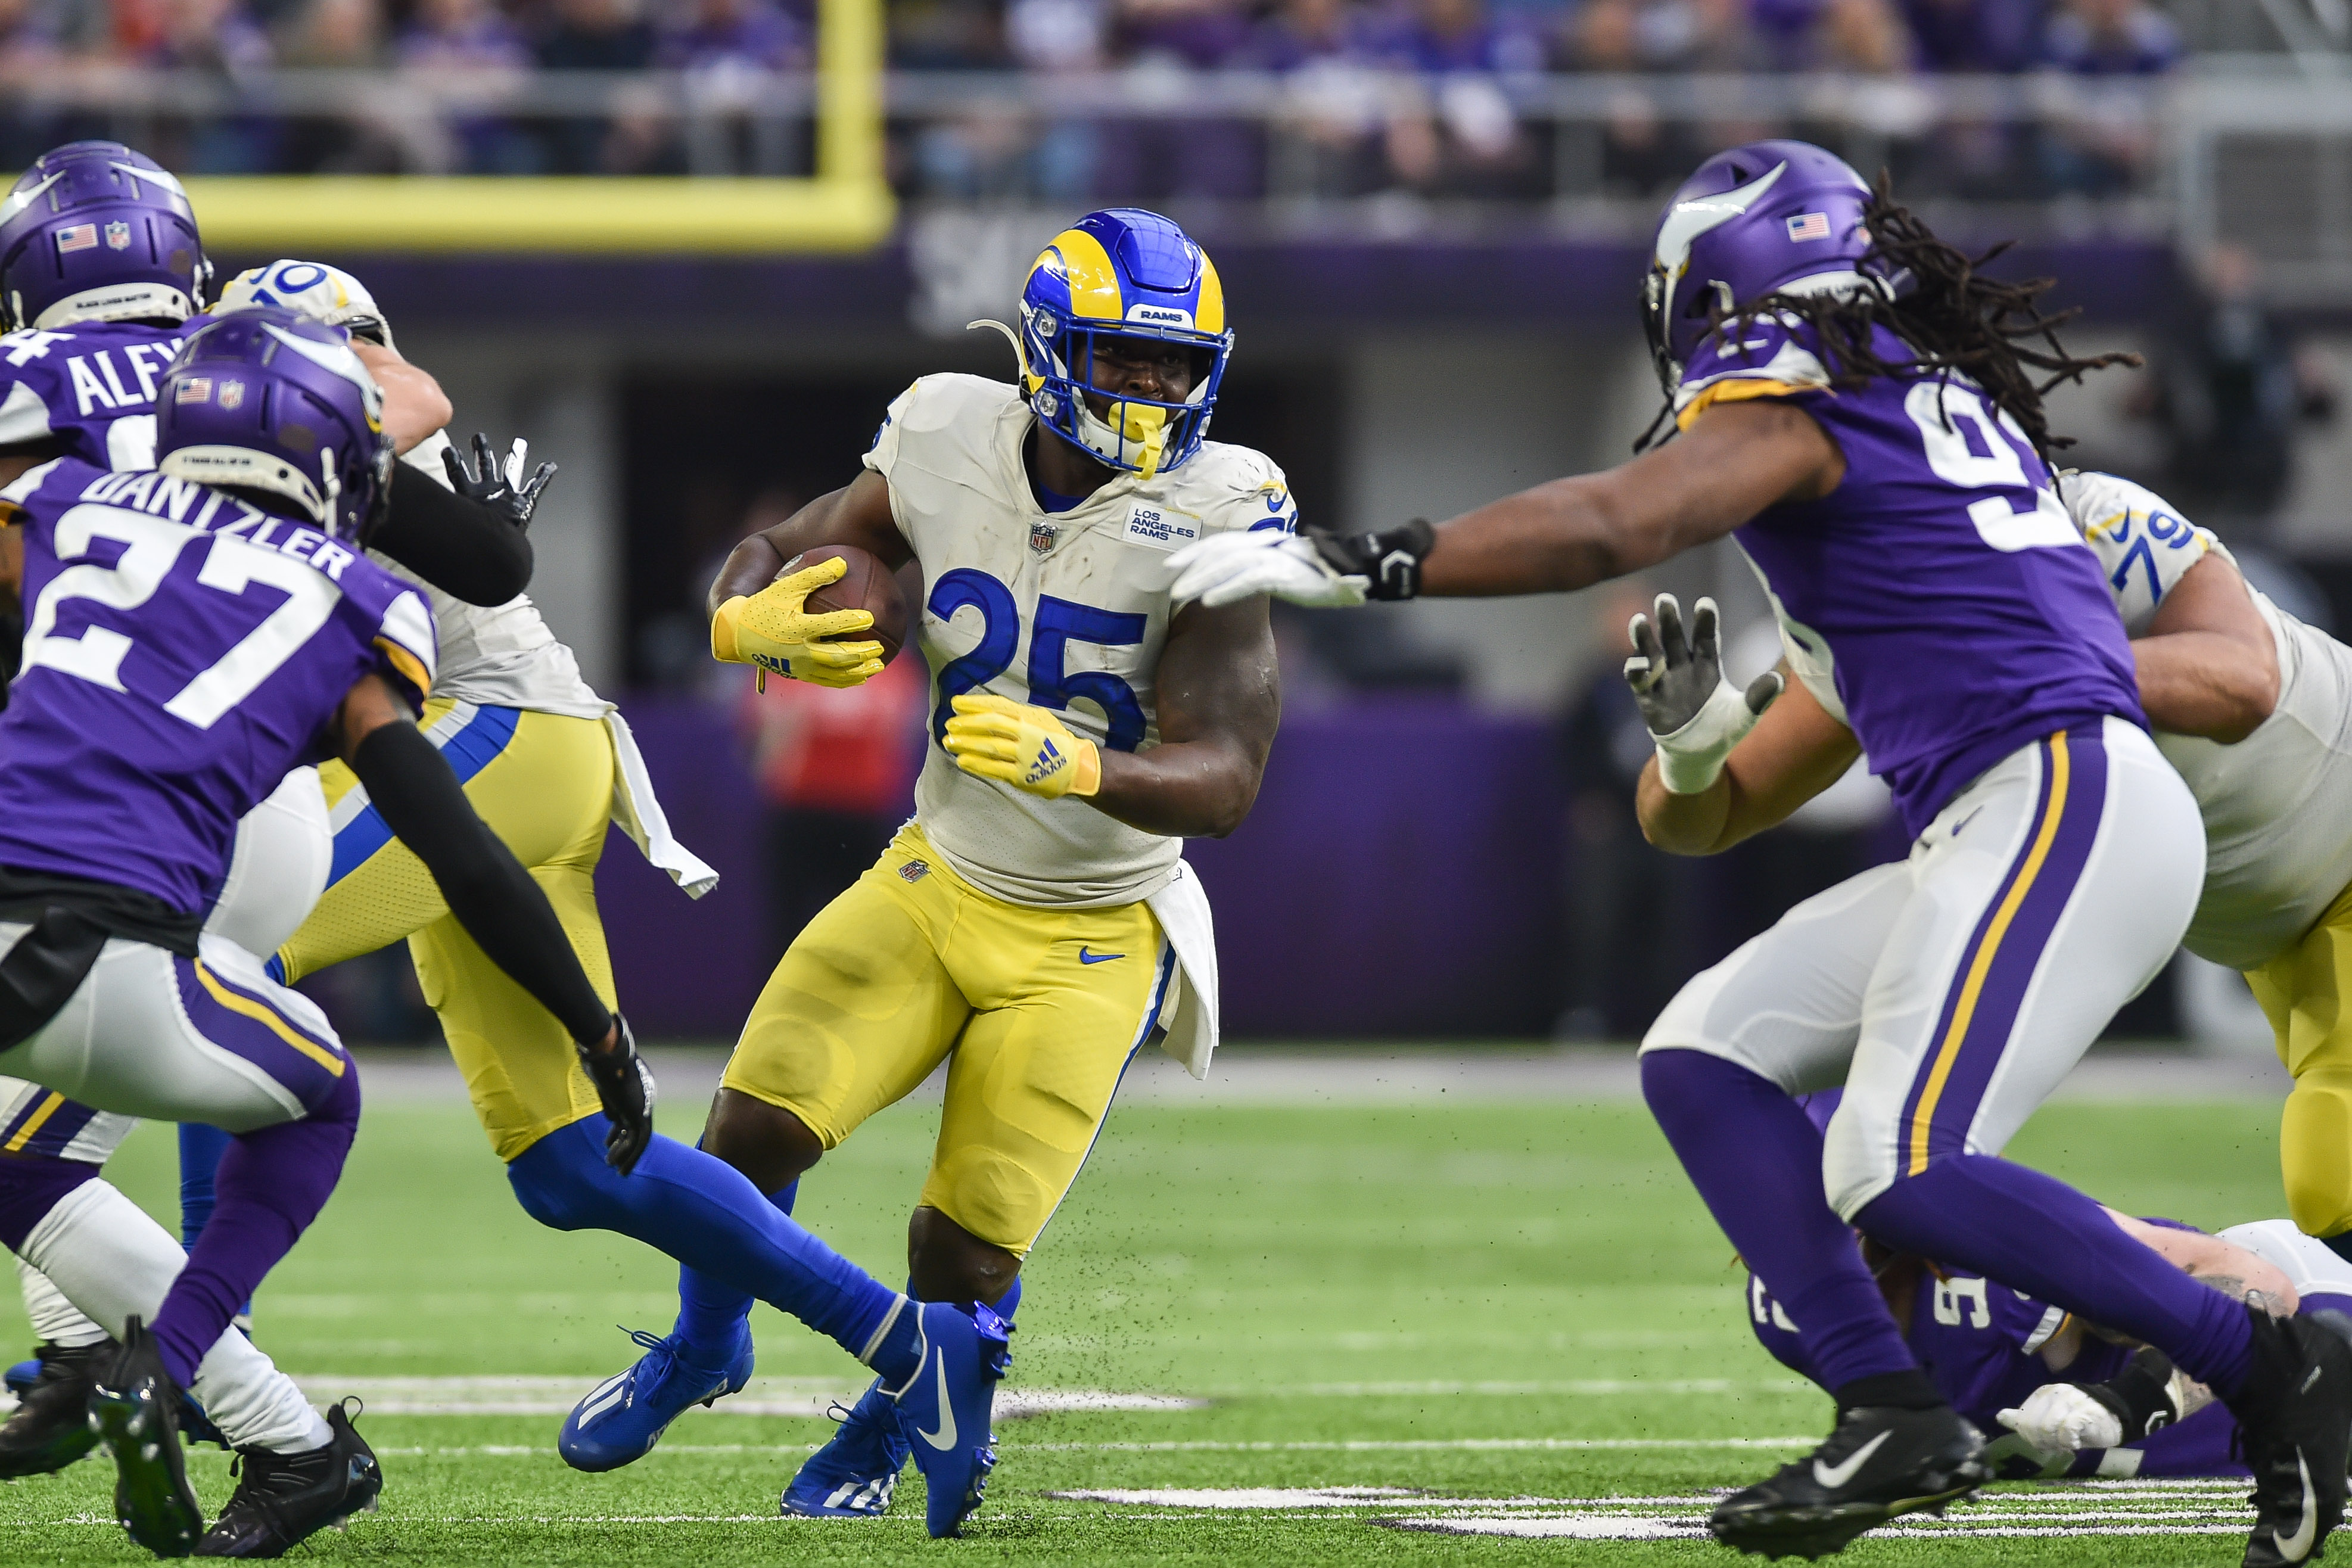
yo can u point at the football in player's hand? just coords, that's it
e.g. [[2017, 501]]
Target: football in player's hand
[[868, 585]]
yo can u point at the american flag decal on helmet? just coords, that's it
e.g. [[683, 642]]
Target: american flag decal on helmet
[[1811, 225], [81, 237]]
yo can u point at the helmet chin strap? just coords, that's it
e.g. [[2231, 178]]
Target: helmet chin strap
[[1020, 355]]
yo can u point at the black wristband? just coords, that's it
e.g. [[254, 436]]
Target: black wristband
[[1389, 560], [487, 888], [466, 550]]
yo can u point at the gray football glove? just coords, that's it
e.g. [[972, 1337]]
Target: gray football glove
[[1694, 715]]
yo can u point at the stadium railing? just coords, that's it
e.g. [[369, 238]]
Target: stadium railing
[[2257, 150]]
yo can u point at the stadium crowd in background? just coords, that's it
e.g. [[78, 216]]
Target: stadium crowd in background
[[1428, 97]]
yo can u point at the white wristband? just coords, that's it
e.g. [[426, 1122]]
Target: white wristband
[[1692, 758]]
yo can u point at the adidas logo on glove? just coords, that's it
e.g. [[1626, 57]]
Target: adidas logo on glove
[[1049, 762]]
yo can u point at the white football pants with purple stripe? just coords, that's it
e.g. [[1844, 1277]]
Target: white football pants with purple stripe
[[98, 1257], [1952, 991]]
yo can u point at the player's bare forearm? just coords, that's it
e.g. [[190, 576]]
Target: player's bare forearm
[[413, 403], [1570, 534], [2232, 1269], [1795, 752], [1220, 701], [858, 513], [2208, 665]]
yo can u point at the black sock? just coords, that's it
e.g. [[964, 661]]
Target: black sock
[[1897, 1390]]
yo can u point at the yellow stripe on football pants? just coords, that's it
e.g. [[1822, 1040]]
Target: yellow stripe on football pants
[[1041, 1009], [548, 795]]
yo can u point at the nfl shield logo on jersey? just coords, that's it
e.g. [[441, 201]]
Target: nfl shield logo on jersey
[[1042, 536], [118, 235]]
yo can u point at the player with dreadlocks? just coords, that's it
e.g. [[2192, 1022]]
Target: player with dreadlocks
[[1858, 408]]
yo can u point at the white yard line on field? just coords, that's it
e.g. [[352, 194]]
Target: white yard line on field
[[790, 1397]]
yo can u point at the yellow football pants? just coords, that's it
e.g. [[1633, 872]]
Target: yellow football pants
[[1041, 1009], [2303, 991], [544, 783]]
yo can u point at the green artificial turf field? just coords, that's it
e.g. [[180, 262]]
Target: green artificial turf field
[[1387, 1313]]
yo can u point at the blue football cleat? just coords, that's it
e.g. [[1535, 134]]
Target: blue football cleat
[[20, 1378], [853, 1476], [944, 1409], [623, 1418]]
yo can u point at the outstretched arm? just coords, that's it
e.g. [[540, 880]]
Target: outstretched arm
[[2208, 665], [1735, 461]]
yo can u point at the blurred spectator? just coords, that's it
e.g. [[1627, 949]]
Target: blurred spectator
[[1166, 43], [836, 770], [2111, 38], [1465, 140], [998, 151], [375, 137], [1976, 35], [30, 47], [947, 35], [1640, 151], [467, 53], [2230, 391], [605, 36], [1329, 141], [731, 52], [220, 38], [2108, 140]]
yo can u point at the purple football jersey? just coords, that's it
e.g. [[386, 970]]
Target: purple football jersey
[[1940, 599], [1980, 1343], [89, 389], [182, 651]]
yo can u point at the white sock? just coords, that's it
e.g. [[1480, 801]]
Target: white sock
[[112, 1261], [56, 1320]]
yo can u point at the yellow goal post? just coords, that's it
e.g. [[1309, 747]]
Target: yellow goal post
[[845, 206]]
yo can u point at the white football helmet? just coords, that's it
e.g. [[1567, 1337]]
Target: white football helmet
[[309, 288]]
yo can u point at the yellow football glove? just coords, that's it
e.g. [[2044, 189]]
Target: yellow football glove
[[1028, 747], [770, 628]]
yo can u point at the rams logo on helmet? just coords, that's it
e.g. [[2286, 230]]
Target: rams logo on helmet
[[1122, 273]]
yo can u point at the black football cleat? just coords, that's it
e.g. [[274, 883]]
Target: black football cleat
[[135, 1408], [50, 1428], [1879, 1464], [283, 1498], [2295, 1416]]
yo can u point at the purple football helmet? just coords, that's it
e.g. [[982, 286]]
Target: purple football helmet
[[95, 232], [269, 401], [1772, 218]]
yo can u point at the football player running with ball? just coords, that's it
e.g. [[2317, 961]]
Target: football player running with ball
[[1034, 925], [1855, 405]]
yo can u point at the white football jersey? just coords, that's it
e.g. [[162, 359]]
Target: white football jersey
[[499, 656], [1064, 610], [2278, 804]]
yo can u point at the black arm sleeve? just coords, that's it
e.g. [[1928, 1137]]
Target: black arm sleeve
[[460, 546], [487, 889]]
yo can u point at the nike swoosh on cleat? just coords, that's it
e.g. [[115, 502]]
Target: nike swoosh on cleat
[[1830, 1477], [2295, 1548], [944, 1438], [1086, 957]]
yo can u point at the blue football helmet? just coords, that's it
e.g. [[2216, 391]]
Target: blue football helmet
[[96, 232], [1122, 273]]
